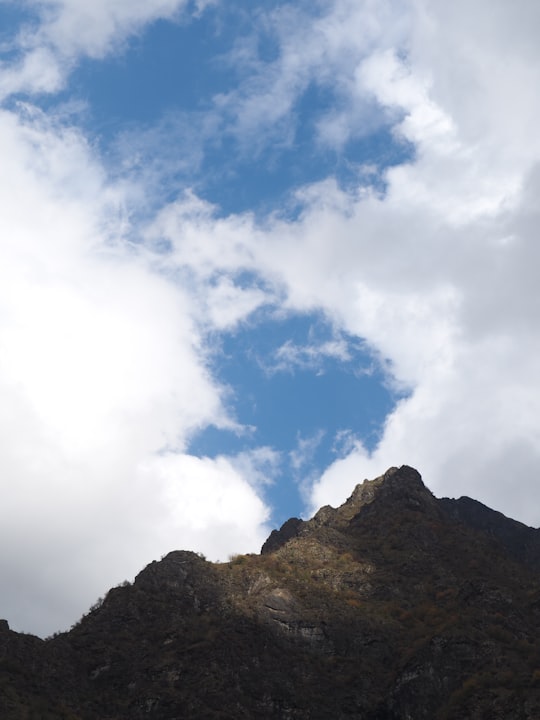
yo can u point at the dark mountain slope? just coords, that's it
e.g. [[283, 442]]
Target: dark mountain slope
[[394, 606], [520, 541]]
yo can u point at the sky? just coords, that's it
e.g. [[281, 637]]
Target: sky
[[250, 255]]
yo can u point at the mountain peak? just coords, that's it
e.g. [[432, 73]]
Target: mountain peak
[[397, 488], [402, 484]]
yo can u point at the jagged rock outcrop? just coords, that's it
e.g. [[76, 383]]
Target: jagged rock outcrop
[[394, 606]]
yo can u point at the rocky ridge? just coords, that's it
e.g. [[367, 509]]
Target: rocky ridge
[[395, 606]]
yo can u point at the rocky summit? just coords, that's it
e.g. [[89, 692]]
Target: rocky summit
[[395, 606]]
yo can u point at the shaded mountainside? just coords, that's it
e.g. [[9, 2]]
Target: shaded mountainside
[[395, 606]]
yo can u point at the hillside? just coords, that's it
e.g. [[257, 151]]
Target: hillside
[[396, 605]]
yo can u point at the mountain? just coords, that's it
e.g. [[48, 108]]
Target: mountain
[[395, 606]]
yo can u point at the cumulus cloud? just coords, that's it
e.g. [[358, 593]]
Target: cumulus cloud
[[455, 308], [103, 379], [437, 274]]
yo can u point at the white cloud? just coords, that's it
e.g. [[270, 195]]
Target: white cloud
[[226, 303], [103, 379], [467, 236], [306, 448], [439, 274], [291, 356], [75, 27], [261, 465], [63, 31], [316, 46], [36, 71], [204, 499]]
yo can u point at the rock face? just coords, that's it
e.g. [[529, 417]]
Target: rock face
[[394, 606]]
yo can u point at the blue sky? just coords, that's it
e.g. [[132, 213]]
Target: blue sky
[[311, 409], [251, 254], [162, 91]]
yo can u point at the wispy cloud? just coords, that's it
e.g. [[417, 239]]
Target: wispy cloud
[[56, 34], [315, 46], [308, 356], [301, 458]]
